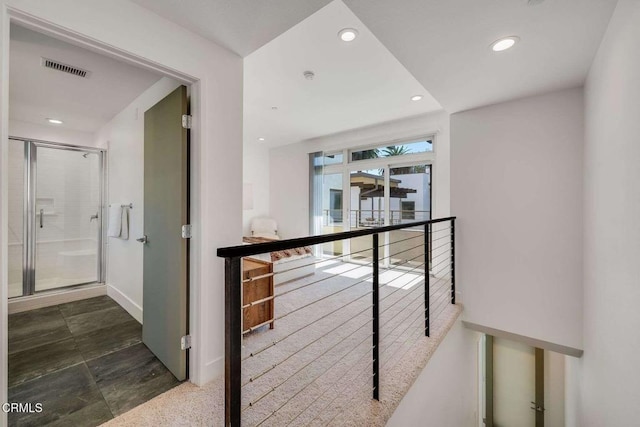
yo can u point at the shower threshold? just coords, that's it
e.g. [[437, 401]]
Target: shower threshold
[[56, 296]]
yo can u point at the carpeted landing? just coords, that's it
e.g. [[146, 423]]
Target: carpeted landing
[[315, 367]]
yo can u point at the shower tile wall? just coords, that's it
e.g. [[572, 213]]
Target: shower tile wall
[[68, 193]]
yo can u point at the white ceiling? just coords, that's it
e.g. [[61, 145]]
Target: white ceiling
[[239, 25], [356, 84], [84, 104], [445, 44]]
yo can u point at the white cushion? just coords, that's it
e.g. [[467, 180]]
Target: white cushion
[[264, 226], [266, 236]]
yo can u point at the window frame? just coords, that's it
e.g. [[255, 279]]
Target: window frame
[[400, 141]]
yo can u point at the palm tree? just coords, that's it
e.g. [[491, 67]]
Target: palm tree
[[395, 150], [365, 154], [399, 150]]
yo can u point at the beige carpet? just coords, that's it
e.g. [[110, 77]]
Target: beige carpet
[[319, 370]]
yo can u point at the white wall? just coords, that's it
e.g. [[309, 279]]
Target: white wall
[[15, 206], [141, 35], [609, 371], [289, 177], [256, 175], [51, 133], [289, 190], [516, 186], [445, 392], [123, 136]]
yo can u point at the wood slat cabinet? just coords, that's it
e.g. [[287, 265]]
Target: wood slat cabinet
[[256, 290]]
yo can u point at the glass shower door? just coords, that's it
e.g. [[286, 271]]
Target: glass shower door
[[68, 216]]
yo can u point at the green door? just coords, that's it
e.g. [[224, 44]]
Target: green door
[[166, 187]]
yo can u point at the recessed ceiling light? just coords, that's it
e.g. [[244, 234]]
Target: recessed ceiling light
[[416, 97], [348, 34], [55, 121], [504, 43], [261, 139]]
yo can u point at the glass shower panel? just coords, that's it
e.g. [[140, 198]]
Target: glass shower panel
[[67, 222], [16, 216]]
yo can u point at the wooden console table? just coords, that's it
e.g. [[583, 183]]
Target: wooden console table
[[258, 291]]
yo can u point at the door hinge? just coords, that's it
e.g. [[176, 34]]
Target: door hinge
[[537, 408], [185, 342], [186, 121], [186, 231]]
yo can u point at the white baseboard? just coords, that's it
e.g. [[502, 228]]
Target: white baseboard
[[62, 296], [212, 370], [125, 302]]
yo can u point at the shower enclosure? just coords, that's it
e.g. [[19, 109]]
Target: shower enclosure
[[56, 204]]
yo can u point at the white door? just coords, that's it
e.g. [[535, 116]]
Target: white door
[[514, 376]]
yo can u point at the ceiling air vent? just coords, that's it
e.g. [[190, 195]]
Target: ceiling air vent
[[65, 68]]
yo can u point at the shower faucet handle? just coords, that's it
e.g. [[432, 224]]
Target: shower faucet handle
[[93, 217], [143, 239]]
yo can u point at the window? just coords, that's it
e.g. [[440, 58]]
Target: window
[[399, 149], [382, 184], [408, 210], [332, 158], [357, 193], [410, 192], [335, 204]]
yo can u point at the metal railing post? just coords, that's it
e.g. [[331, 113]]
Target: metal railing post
[[233, 341], [376, 319], [453, 261], [427, 267]]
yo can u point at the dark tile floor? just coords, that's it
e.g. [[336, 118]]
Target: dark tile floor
[[84, 361]]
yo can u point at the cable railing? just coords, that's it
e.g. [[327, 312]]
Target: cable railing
[[307, 335], [373, 217]]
